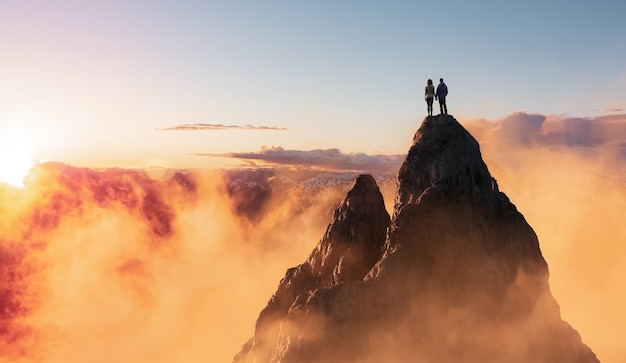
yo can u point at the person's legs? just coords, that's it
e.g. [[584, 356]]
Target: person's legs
[[445, 107], [429, 102], [441, 103]]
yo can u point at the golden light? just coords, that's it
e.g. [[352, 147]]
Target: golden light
[[16, 157]]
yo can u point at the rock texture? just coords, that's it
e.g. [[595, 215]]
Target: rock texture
[[350, 247], [459, 276]]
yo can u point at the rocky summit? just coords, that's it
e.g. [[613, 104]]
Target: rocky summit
[[456, 275]]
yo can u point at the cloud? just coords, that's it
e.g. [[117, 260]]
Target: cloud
[[523, 128], [115, 265], [567, 176], [118, 265], [212, 127], [332, 159]]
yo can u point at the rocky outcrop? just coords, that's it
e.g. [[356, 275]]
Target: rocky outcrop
[[461, 277], [350, 247]]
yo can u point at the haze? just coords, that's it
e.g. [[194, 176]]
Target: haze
[[125, 233], [115, 265]]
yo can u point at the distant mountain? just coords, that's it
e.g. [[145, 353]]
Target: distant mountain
[[458, 276]]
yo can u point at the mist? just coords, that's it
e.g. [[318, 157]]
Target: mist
[[115, 265], [127, 265], [567, 176]]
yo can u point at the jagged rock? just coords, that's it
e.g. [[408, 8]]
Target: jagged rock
[[350, 247], [461, 278]]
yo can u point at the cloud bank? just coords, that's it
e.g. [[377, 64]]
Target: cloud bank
[[119, 266], [213, 127], [332, 159], [567, 176], [527, 129], [115, 265]]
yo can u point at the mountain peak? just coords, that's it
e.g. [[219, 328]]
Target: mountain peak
[[352, 244], [458, 276], [445, 155]]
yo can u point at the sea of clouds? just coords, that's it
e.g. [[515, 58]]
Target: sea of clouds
[[129, 265]]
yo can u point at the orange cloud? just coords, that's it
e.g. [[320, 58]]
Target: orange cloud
[[114, 264], [567, 175]]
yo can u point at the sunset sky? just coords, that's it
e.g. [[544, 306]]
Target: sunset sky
[[332, 85], [110, 83]]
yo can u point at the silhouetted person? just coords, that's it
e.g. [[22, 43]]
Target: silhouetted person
[[429, 94], [442, 92]]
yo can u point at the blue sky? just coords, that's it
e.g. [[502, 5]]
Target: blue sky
[[99, 79]]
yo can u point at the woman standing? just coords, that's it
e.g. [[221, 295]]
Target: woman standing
[[429, 94]]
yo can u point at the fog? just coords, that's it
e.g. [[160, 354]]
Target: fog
[[567, 176], [120, 265], [111, 265]]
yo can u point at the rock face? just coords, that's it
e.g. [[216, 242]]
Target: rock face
[[350, 247], [458, 277]]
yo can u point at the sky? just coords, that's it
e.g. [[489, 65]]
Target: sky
[[154, 83], [335, 84]]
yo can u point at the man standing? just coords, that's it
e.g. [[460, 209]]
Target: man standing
[[442, 92]]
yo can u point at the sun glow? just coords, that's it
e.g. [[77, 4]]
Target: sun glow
[[15, 158]]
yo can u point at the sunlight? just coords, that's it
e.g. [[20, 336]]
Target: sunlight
[[16, 157]]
